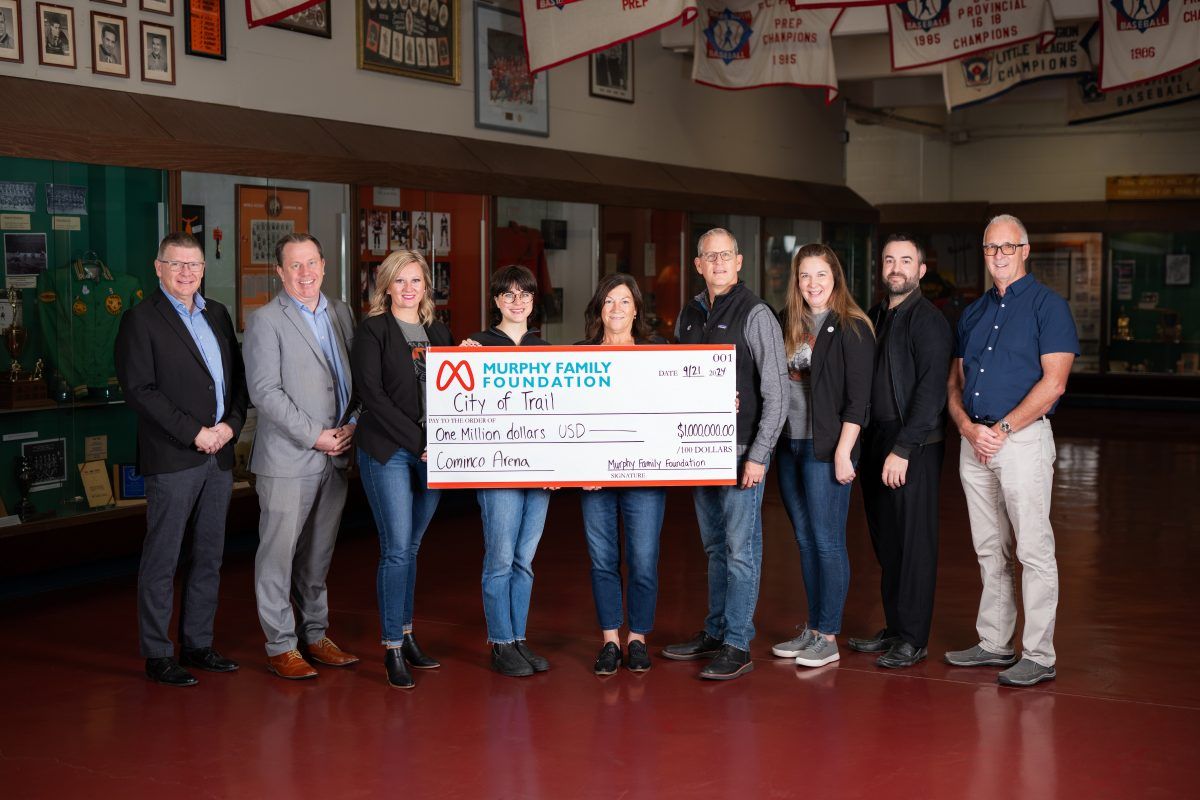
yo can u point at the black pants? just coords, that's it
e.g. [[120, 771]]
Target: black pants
[[904, 530]]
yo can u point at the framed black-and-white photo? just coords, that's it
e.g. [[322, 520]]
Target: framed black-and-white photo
[[110, 2], [159, 6], [18, 196], [507, 97], [610, 73], [110, 45], [47, 460], [158, 53], [66, 198], [1178, 269], [313, 20], [24, 259], [10, 31], [56, 35]]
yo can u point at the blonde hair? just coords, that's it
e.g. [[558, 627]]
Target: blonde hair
[[799, 315], [397, 260]]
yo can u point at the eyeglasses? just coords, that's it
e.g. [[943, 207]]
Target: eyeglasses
[[724, 256], [1008, 248], [180, 266], [512, 297]]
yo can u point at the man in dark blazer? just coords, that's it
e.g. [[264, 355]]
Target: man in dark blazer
[[181, 370]]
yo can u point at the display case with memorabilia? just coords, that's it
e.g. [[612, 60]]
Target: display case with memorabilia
[[651, 245], [75, 260]]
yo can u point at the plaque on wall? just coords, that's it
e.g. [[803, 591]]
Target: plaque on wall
[[204, 28]]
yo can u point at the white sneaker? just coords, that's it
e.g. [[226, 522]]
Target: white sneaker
[[819, 652]]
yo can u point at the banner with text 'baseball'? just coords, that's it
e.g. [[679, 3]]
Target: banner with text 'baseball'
[[557, 31], [991, 73], [1145, 39], [262, 12], [1087, 103], [932, 31], [742, 44]]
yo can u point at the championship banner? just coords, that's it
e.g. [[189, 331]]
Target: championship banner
[[581, 416], [263, 12], [932, 31], [557, 31], [742, 44], [981, 77], [1145, 39], [1087, 103]]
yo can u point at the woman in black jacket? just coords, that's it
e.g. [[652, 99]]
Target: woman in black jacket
[[831, 354], [388, 363]]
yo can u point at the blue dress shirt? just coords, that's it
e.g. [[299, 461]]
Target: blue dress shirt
[[1001, 341], [322, 328], [206, 343]]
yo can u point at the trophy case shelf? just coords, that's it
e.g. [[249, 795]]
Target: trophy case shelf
[[50, 405]]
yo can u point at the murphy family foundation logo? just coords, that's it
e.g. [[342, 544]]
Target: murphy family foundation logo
[[921, 15], [727, 36], [1140, 15], [977, 71], [460, 371]]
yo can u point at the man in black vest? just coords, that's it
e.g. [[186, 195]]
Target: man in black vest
[[181, 369], [903, 447], [730, 517]]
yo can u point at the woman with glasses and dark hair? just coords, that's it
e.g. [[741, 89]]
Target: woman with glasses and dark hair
[[512, 518], [830, 348], [615, 316], [388, 363]]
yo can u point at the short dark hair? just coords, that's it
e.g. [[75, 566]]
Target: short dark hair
[[503, 280], [905, 237], [108, 28], [296, 238], [177, 239]]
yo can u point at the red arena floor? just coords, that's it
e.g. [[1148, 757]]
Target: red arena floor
[[1121, 720]]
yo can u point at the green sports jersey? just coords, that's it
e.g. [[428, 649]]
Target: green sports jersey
[[79, 318]]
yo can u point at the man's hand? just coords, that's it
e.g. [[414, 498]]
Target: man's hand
[[225, 431], [334, 441], [209, 440], [895, 471], [984, 441], [752, 474]]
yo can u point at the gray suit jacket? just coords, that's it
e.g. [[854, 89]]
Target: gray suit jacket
[[292, 386]]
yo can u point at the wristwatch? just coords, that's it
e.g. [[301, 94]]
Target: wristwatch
[[1004, 426]]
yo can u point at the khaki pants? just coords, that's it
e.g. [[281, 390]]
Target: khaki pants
[[1012, 492]]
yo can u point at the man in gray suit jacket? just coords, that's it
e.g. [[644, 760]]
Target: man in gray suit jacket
[[298, 374]]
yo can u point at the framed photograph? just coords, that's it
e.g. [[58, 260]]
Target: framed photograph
[[66, 198], [610, 73], [111, 2], [56, 35], [265, 214], [1178, 270], [24, 259], [110, 45], [507, 97], [204, 28], [10, 31], [159, 7], [313, 20], [414, 38], [158, 53]]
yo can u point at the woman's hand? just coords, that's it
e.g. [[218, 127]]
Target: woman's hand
[[425, 456], [843, 468], [469, 343]]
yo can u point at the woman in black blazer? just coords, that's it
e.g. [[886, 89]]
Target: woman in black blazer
[[831, 356], [388, 363]]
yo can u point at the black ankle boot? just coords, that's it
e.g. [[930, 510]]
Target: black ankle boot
[[414, 656], [507, 660], [397, 670]]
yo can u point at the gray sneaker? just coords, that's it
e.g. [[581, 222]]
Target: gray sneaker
[[792, 647], [1026, 673], [978, 657], [819, 652]]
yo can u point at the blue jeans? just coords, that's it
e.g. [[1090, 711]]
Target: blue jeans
[[402, 505], [817, 506], [512, 527], [730, 521], [642, 512]]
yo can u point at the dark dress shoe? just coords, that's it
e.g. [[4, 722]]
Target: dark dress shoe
[[699, 646], [414, 655], [879, 643], [608, 660], [638, 659], [397, 670], [538, 663], [729, 664], [902, 654], [167, 672], [507, 660], [207, 659]]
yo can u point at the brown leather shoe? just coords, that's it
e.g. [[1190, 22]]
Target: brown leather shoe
[[291, 665], [327, 653]]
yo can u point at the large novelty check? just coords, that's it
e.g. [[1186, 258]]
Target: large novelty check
[[581, 416]]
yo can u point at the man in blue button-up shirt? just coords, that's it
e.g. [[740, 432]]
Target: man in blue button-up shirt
[[1015, 348]]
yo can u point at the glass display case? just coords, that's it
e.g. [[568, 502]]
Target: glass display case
[[1069, 263], [651, 246], [781, 238]]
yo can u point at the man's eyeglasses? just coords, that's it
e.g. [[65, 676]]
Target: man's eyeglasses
[[724, 256], [180, 266], [512, 297], [1008, 248]]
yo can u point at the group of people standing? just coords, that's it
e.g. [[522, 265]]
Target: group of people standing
[[854, 395]]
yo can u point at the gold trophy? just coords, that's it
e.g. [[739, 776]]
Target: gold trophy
[[16, 335]]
